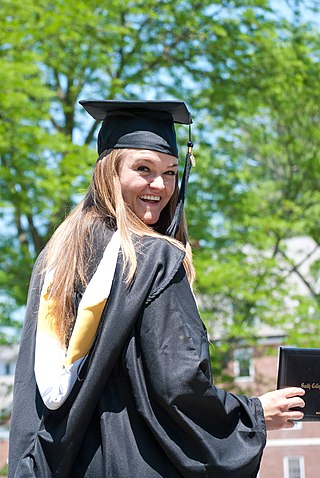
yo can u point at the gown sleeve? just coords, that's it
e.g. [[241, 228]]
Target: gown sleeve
[[204, 431]]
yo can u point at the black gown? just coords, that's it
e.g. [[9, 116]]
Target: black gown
[[145, 406]]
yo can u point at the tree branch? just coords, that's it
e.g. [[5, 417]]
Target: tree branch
[[36, 238], [91, 132], [294, 268]]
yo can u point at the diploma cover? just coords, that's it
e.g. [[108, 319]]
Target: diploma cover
[[299, 367]]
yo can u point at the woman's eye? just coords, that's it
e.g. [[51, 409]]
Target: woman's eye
[[170, 173], [144, 169]]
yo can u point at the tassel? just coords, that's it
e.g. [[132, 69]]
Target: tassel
[[190, 161]]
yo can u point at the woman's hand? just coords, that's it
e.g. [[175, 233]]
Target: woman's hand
[[277, 407]]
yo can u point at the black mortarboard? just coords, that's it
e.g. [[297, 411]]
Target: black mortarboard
[[138, 124], [143, 125]]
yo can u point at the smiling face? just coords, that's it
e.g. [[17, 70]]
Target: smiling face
[[147, 181]]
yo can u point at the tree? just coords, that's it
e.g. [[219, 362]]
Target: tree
[[51, 54], [231, 62], [262, 190]]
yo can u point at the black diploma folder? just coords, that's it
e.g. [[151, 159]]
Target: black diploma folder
[[299, 367]]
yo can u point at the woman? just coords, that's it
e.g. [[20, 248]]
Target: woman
[[113, 377]]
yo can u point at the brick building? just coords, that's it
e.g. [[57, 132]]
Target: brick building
[[292, 453], [8, 358]]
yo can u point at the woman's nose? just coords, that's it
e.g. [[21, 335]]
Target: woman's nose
[[157, 183]]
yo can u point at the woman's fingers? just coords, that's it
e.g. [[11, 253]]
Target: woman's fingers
[[280, 407], [296, 402], [292, 391]]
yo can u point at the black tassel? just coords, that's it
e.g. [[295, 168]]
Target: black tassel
[[190, 161]]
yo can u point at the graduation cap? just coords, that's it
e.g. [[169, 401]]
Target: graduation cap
[[144, 125]]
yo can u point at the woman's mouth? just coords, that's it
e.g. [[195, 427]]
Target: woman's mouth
[[150, 199]]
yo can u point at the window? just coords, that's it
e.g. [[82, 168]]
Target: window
[[296, 426], [293, 467], [243, 364], [7, 368]]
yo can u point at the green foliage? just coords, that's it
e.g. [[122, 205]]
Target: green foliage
[[250, 77], [261, 189], [4, 471]]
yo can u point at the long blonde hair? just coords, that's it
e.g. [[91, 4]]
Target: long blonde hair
[[70, 249]]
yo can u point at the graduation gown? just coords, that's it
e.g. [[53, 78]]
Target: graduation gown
[[144, 405]]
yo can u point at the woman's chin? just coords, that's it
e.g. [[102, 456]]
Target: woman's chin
[[150, 220]]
